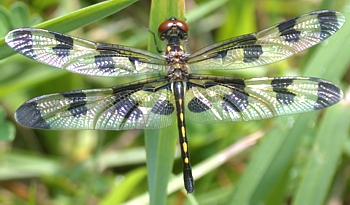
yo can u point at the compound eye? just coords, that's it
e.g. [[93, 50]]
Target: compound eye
[[165, 26], [182, 25], [168, 24]]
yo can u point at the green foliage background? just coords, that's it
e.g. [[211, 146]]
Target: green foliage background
[[300, 159]]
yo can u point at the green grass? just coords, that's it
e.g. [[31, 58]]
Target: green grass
[[299, 159]]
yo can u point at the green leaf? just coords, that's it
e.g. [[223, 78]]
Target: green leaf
[[124, 188], [16, 166], [4, 21], [29, 80], [204, 9], [19, 15], [325, 156], [7, 129]]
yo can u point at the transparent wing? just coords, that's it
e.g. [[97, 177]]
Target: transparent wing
[[270, 45], [226, 100], [132, 106], [82, 56]]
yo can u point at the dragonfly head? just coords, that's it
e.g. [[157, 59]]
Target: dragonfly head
[[173, 27]]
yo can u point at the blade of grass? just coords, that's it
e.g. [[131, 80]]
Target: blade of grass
[[15, 166], [23, 82], [19, 167], [326, 154], [160, 146], [215, 161], [203, 9], [124, 188], [75, 20]]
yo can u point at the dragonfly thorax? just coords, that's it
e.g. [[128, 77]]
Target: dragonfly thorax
[[176, 60], [177, 68]]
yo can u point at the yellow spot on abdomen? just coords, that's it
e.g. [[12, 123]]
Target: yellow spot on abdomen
[[184, 147], [181, 117], [186, 160], [180, 101], [183, 131]]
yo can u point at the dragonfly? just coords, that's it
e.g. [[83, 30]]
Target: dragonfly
[[177, 87]]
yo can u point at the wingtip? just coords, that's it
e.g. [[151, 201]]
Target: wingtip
[[29, 115], [328, 94]]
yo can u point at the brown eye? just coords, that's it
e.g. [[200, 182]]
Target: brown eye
[[182, 25], [166, 25]]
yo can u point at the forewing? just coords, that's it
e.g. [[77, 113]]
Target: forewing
[[270, 45], [82, 56], [225, 100], [134, 106]]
